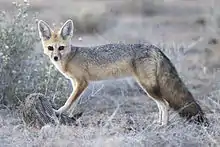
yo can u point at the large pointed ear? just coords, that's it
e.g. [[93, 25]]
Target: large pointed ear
[[66, 31], [44, 30]]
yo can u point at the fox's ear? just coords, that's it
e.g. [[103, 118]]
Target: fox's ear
[[66, 30], [44, 30]]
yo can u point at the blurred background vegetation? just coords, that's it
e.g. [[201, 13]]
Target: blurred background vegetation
[[23, 71]]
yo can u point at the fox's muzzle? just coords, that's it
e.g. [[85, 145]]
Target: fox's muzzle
[[55, 58]]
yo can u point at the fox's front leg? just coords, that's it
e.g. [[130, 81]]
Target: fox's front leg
[[79, 87]]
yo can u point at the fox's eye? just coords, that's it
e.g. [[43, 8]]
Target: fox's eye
[[50, 48], [61, 48]]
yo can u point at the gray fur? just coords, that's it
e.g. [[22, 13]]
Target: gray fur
[[152, 69]]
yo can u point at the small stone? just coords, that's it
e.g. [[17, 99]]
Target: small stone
[[213, 41], [80, 38]]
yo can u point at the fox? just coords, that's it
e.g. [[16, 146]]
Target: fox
[[146, 63]]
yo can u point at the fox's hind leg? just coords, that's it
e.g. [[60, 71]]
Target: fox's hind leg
[[147, 81], [165, 112], [160, 111], [161, 103]]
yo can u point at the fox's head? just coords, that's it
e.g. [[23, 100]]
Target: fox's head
[[56, 44]]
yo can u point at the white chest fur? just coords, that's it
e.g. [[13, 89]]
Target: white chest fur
[[61, 68]]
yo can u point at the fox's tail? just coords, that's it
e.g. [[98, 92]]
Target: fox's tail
[[177, 94]]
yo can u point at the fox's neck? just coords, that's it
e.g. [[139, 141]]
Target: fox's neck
[[74, 49]]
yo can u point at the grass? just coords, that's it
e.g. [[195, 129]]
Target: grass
[[122, 120], [113, 115]]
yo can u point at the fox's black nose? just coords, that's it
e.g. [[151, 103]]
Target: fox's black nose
[[55, 58]]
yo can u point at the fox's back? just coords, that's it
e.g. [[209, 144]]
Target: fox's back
[[110, 60], [112, 53]]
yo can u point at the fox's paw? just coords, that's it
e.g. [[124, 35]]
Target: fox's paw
[[157, 122], [160, 123], [58, 112]]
